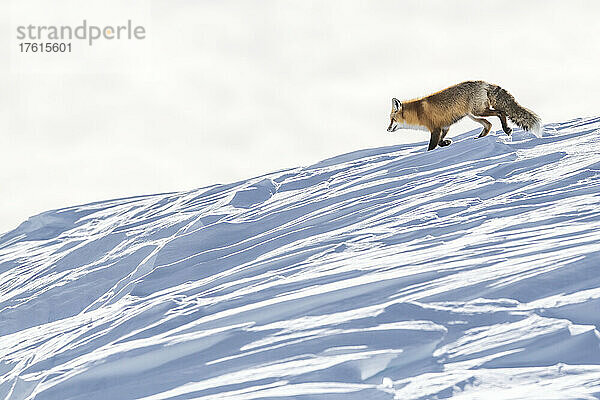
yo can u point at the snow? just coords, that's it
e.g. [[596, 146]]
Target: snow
[[470, 271]]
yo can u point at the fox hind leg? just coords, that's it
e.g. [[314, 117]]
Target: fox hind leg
[[487, 125], [497, 113], [444, 142]]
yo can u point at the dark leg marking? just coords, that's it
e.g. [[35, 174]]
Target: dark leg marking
[[435, 138], [444, 142]]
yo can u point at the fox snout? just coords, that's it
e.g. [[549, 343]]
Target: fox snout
[[393, 126]]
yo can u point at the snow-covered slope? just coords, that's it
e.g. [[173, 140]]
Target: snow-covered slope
[[470, 271]]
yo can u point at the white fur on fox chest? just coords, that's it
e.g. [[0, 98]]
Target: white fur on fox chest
[[404, 125]]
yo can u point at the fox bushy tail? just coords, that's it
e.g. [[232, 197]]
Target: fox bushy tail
[[501, 100]]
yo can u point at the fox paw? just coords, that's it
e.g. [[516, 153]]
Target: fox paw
[[508, 131], [445, 142]]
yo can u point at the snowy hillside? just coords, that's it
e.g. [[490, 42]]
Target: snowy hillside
[[470, 271]]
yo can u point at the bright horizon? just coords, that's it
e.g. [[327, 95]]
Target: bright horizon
[[220, 92]]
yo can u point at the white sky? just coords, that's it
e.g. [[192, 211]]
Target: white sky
[[221, 91]]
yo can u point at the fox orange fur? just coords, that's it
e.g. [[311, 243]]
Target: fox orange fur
[[475, 99]]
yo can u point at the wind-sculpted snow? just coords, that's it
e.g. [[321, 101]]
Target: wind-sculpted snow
[[470, 271]]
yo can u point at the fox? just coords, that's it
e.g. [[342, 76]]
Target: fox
[[475, 99]]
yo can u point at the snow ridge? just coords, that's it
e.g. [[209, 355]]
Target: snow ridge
[[393, 273]]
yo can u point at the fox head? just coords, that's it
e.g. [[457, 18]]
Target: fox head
[[396, 120]]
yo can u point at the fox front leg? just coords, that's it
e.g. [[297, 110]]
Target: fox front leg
[[435, 138], [444, 142]]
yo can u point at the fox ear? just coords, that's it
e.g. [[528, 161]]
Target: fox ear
[[396, 105]]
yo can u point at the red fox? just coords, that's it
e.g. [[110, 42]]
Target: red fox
[[475, 99]]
